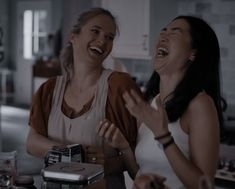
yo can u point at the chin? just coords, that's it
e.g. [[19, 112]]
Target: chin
[[158, 67]]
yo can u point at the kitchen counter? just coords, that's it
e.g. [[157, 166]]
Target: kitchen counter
[[225, 177], [40, 184]]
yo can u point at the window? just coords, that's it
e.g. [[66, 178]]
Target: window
[[34, 33]]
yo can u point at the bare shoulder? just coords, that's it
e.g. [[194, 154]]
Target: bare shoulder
[[201, 113], [201, 103]]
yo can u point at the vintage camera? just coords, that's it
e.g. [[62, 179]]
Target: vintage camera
[[70, 153]]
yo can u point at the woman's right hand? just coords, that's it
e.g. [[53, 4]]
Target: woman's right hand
[[112, 135], [149, 181], [155, 119]]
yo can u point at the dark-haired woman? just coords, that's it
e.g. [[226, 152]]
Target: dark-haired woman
[[179, 134]]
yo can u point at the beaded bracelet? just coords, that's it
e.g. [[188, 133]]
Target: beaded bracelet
[[163, 136], [171, 141], [163, 146]]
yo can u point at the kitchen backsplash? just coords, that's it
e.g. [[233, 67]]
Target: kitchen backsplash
[[220, 14]]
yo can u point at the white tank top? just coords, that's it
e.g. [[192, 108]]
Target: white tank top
[[152, 159]]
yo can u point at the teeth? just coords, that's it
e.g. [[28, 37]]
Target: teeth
[[97, 49], [162, 51]]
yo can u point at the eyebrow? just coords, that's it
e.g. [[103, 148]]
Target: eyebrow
[[177, 29], [173, 29], [98, 27]]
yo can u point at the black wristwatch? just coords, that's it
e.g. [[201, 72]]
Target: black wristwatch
[[163, 146]]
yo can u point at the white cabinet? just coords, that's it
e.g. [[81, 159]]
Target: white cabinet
[[133, 18]]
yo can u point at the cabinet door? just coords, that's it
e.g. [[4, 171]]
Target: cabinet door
[[133, 17]]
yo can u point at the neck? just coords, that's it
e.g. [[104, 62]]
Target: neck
[[85, 77], [168, 85]]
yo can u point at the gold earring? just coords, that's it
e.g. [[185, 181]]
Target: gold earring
[[192, 58]]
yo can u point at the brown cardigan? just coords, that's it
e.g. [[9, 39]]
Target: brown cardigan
[[115, 107]]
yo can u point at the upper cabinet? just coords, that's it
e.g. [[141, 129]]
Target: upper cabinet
[[134, 19]]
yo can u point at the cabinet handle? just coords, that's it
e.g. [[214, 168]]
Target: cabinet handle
[[144, 44]]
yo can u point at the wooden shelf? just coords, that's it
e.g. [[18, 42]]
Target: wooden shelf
[[46, 69], [6, 85]]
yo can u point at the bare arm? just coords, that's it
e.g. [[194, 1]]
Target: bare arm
[[38, 145], [115, 138], [203, 126]]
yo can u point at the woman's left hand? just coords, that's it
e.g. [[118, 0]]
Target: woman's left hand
[[155, 119], [112, 135]]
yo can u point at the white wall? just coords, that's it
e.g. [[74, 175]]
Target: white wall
[[23, 79], [4, 20]]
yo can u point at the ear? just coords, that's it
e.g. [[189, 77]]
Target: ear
[[193, 55], [71, 37]]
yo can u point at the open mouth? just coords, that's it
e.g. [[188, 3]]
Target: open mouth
[[97, 50], [162, 52]]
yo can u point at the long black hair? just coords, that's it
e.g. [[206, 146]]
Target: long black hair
[[202, 74]]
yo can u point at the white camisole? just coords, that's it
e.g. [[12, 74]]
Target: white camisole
[[152, 159]]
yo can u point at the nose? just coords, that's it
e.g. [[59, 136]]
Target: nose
[[100, 42], [163, 37]]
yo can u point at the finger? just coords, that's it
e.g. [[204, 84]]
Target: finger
[[99, 126], [158, 178], [159, 103], [154, 180], [110, 132], [141, 182], [126, 96], [135, 96], [128, 99], [103, 129]]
